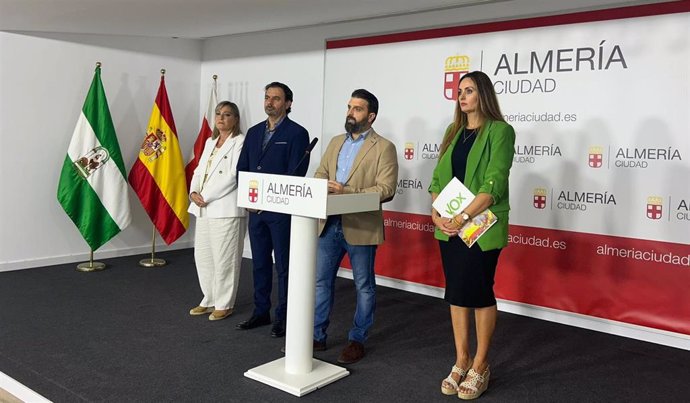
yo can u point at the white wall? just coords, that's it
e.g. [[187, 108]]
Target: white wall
[[44, 79], [43, 84]]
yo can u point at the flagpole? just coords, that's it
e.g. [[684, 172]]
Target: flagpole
[[91, 265], [72, 187], [153, 261]]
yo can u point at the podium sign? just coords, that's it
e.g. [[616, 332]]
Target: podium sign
[[294, 195], [306, 199]]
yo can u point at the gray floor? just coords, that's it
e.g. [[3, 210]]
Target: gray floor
[[124, 335]]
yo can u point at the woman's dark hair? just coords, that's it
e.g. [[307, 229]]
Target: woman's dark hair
[[488, 107]]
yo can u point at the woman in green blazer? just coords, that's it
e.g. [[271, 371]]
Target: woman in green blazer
[[478, 149]]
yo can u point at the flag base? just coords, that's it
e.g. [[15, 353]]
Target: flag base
[[152, 262], [90, 266]]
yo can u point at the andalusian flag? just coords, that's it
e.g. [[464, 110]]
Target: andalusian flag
[[207, 125], [158, 174], [92, 188]]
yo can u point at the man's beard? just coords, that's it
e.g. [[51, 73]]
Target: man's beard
[[271, 111], [353, 126]]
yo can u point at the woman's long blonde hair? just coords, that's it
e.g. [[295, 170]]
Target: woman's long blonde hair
[[488, 107], [235, 111]]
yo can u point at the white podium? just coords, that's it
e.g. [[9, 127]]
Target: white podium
[[307, 200]]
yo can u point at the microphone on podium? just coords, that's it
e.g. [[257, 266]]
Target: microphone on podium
[[312, 144], [306, 154]]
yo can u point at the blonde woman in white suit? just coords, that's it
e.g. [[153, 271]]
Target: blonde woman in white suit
[[220, 224]]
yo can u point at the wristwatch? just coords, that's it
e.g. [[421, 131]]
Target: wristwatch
[[465, 216]]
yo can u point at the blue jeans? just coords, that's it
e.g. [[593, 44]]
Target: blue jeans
[[331, 250]]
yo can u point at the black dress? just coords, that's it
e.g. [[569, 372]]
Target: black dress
[[469, 272]]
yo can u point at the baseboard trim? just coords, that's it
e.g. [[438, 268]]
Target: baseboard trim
[[84, 257]]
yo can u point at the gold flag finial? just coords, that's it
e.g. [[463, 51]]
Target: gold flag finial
[[162, 72], [98, 65], [215, 77]]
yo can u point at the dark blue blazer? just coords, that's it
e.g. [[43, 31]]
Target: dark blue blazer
[[282, 154]]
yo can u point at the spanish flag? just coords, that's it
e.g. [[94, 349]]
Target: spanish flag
[[158, 176]]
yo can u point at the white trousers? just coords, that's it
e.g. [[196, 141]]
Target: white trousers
[[218, 246]]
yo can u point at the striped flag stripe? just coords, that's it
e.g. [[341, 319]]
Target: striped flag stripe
[[83, 206], [158, 176], [164, 107], [162, 215], [101, 124], [111, 181], [169, 180], [92, 188]]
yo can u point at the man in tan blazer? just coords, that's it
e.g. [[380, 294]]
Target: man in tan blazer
[[359, 161]]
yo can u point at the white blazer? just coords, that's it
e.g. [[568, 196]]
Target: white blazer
[[220, 190]]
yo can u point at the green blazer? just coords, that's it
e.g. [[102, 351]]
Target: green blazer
[[488, 167]]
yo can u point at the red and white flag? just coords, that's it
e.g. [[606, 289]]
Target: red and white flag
[[207, 125]]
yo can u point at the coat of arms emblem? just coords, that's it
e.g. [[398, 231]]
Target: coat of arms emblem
[[89, 163], [253, 191], [655, 207], [596, 157], [409, 151], [154, 145], [454, 68], [539, 198]]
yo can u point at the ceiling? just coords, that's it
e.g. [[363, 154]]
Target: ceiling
[[198, 19]]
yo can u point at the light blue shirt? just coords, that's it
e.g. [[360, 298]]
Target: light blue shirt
[[346, 156]]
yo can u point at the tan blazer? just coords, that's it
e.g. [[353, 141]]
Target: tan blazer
[[375, 170]]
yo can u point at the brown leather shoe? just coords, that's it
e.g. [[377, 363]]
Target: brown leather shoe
[[352, 353], [320, 345]]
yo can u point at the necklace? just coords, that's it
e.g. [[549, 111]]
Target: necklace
[[467, 134]]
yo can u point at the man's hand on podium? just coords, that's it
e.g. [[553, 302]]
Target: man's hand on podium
[[335, 187]]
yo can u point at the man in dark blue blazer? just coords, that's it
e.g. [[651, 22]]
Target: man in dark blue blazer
[[274, 146]]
